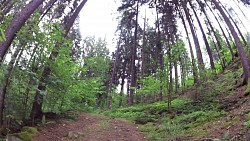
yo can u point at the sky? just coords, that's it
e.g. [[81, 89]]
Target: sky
[[98, 18]]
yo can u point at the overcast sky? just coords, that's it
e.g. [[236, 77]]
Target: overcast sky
[[98, 18]]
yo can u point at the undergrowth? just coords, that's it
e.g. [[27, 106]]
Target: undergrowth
[[160, 123]]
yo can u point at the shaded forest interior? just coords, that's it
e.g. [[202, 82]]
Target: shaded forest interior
[[184, 77]]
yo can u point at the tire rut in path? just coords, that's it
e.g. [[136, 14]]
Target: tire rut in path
[[90, 128]]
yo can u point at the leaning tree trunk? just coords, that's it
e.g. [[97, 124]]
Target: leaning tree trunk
[[241, 11], [17, 22], [133, 69], [195, 38], [242, 53], [36, 111], [219, 50], [5, 80], [194, 68], [209, 52], [235, 24], [223, 32]]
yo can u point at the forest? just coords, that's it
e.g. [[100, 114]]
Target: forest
[[186, 77]]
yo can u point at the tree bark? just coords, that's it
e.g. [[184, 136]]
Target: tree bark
[[133, 70], [112, 79], [235, 24], [227, 41], [36, 111], [159, 47], [16, 24], [242, 53], [196, 41], [191, 50], [209, 52], [5, 81]]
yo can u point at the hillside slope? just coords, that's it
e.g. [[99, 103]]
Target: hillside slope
[[219, 109]]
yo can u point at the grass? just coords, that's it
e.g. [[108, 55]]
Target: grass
[[247, 122], [185, 116]]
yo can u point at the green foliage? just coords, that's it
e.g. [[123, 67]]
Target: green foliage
[[150, 86], [2, 35], [198, 117], [247, 122], [172, 129], [224, 84]]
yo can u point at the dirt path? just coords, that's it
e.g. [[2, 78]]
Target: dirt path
[[90, 128]]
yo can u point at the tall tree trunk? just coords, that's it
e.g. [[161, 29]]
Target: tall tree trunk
[[170, 89], [112, 79], [143, 48], [235, 24], [194, 68], [176, 75], [159, 47], [5, 80], [196, 41], [204, 38], [133, 70], [219, 50], [122, 88], [242, 53], [36, 111], [17, 22], [226, 38], [241, 11]]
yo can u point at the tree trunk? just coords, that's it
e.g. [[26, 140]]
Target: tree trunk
[[133, 70], [112, 79], [159, 47], [242, 53], [5, 81], [176, 75], [196, 41], [143, 48], [219, 50], [227, 41], [235, 24], [43, 11], [204, 38], [36, 111], [17, 22], [191, 51], [122, 88]]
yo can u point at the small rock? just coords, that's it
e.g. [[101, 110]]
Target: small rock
[[13, 138], [73, 135], [228, 119]]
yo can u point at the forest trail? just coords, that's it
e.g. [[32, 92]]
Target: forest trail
[[90, 127]]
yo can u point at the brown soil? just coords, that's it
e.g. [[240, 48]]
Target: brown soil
[[90, 127]]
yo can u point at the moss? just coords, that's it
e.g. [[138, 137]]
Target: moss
[[27, 133], [247, 122], [247, 91]]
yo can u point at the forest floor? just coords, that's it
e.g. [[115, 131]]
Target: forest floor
[[89, 127], [231, 126], [220, 112]]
